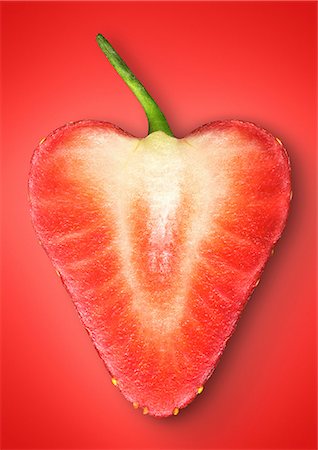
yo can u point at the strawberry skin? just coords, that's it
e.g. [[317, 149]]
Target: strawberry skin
[[160, 242]]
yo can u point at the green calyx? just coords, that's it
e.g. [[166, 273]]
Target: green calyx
[[156, 120]]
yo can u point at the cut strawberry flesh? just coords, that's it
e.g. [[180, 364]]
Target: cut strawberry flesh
[[160, 242]]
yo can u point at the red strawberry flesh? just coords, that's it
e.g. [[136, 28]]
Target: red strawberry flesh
[[160, 242]]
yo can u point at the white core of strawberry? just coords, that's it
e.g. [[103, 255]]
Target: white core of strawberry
[[157, 171]]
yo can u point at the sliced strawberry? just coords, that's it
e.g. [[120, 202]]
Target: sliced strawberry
[[160, 242]]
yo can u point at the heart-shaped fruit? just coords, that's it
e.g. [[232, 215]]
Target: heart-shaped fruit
[[160, 241]]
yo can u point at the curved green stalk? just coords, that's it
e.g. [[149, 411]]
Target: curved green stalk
[[156, 120]]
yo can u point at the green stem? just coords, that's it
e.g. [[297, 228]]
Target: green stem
[[156, 120]]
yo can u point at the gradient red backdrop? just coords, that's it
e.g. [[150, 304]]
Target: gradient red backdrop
[[202, 62]]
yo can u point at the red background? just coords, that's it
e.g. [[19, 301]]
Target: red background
[[202, 62]]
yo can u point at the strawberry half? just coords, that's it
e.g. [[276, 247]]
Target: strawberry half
[[160, 242]]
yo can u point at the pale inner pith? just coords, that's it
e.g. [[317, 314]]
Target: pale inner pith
[[157, 177]]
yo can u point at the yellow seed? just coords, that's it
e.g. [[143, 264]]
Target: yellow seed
[[291, 195], [42, 140], [279, 141], [257, 283], [114, 381], [273, 251], [57, 273], [175, 411], [136, 405], [145, 410], [200, 389]]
